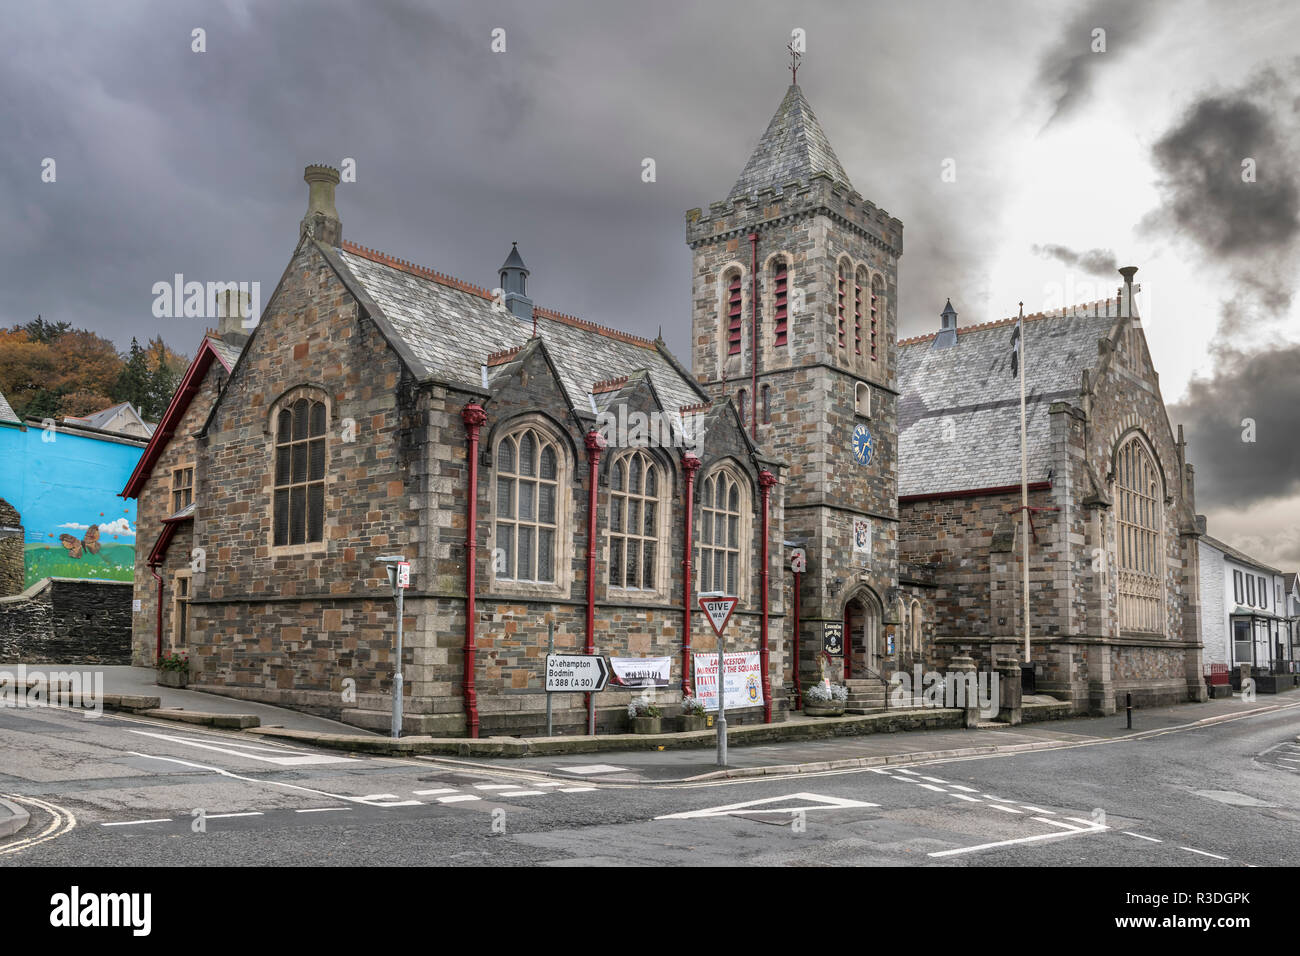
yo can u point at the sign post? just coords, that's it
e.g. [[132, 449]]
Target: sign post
[[576, 673], [717, 607], [399, 576]]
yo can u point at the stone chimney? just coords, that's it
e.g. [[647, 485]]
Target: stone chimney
[[1127, 295], [514, 276], [322, 219], [947, 336], [233, 307]]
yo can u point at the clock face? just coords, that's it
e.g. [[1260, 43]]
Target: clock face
[[863, 445]]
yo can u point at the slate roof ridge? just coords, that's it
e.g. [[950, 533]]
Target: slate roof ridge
[[1079, 311], [461, 285], [1238, 555]]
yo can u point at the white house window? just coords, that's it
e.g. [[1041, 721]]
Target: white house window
[[720, 533], [527, 506], [1141, 552], [635, 483]]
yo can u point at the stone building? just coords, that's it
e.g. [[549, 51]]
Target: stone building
[[1112, 557]]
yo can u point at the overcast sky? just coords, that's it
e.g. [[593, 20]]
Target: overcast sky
[[1069, 162]]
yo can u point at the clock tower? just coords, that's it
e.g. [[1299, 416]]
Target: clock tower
[[794, 318]]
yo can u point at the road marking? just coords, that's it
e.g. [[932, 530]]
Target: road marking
[[1288, 759], [378, 796], [495, 786], [459, 798], [1086, 823], [1140, 836], [132, 823], [998, 806], [291, 758], [220, 816], [1038, 809], [1029, 839], [1064, 826], [998, 799], [1202, 852], [957, 786], [962, 796], [434, 793], [322, 809], [575, 789], [930, 786], [758, 806], [549, 783], [62, 821], [593, 768], [522, 793], [934, 779], [910, 773]]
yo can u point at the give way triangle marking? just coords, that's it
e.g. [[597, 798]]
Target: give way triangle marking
[[812, 801]]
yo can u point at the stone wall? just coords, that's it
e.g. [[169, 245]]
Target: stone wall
[[66, 621], [11, 550]]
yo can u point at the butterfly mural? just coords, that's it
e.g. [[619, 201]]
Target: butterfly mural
[[88, 543]]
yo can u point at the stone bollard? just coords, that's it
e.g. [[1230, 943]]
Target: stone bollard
[[1009, 696], [958, 667]]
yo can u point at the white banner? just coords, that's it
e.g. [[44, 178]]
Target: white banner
[[641, 671], [743, 684]]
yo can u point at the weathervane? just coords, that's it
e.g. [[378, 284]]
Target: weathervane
[[795, 56]]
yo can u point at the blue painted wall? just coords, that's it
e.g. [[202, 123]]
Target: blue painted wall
[[62, 487]]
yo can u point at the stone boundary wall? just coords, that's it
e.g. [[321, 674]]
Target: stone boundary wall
[[67, 621]]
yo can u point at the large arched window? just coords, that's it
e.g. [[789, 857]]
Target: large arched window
[[528, 506], [1139, 495], [724, 511], [636, 513], [299, 496]]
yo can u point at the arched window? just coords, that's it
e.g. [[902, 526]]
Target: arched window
[[767, 404], [724, 504], [780, 302], [860, 286], [862, 400], [841, 306], [915, 627], [734, 312], [299, 495], [528, 506], [877, 312], [1141, 551], [636, 486]]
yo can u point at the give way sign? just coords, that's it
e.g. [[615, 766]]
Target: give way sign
[[718, 610]]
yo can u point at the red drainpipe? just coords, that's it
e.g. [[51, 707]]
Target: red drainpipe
[[798, 690], [595, 442], [765, 482], [158, 577], [753, 337], [474, 418], [690, 464]]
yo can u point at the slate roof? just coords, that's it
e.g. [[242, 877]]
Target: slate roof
[[793, 148], [101, 418], [450, 328], [1239, 556], [970, 385], [7, 414]]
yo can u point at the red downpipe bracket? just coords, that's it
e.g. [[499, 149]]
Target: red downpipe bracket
[[765, 482], [595, 442], [690, 465], [474, 418], [753, 337]]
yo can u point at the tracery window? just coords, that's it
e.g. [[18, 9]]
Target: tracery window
[[1141, 550]]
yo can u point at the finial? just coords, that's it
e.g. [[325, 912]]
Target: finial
[[795, 56]]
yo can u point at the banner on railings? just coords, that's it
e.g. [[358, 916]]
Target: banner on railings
[[743, 683]]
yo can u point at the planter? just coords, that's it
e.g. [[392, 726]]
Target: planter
[[690, 722], [173, 678], [647, 725], [829, 709]]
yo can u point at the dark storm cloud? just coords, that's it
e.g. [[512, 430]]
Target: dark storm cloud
[[1069, 68], [1265, 387], [1094, 262]]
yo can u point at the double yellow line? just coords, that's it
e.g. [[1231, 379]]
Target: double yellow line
[[62, 821]]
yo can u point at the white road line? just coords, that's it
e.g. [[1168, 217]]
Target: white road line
[[289, 759], [378, 796], [459, 798], [962, 796], [1202, 852], [817, 801], [131, 823], [1140, 836], [930, 786], [593, 768], [322, 809], [878, 770], [434, 793], [957, 786], [1288, 759], [910, 773], [990, 796], [575, 789], [522, 793], [1029, 839], [1037, 809], [998, 806], [1086, 823], [393, 803], [495, 786], [222, 816], [1063, 826], [934, 779]]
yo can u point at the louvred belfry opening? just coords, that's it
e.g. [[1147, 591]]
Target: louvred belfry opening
[[857, 313], [875, 290], [733, 314], [841, 282], [780, 302]]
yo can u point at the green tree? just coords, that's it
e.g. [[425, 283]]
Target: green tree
[[38, 330], [133, 382]]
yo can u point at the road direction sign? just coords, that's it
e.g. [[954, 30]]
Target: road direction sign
[[718, 610], [587, 673]]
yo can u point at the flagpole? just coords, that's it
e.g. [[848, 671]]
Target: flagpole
[[1024, 478]]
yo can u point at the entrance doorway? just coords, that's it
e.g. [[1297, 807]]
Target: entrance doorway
[[862, 652]]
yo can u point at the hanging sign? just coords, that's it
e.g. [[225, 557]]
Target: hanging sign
[[641, 671], [833, 638]]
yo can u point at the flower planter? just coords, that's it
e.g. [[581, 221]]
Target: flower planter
[[173, 679], [690, 722], [830, 709], [646, 725]]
